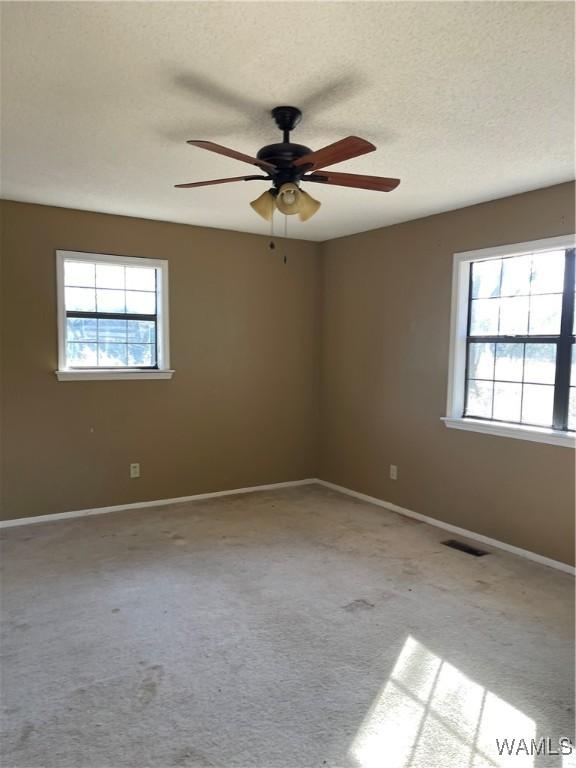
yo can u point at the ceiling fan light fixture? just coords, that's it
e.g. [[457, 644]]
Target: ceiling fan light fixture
[[308, 206], [286, 164], [264, 205], [288, 199]]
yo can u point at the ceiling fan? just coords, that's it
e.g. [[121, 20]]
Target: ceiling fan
[[288, 164]]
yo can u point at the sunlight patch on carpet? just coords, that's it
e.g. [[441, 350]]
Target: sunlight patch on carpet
[[429, 714]]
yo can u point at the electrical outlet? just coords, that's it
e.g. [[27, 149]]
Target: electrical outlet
[[134, 470], [393, 472]]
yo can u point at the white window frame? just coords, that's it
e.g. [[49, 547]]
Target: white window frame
[[457, 358], [162, 323]]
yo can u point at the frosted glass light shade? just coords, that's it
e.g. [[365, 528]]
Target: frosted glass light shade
[[264, 205], [308, 206], [288, 200]]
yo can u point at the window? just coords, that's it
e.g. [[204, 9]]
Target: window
[[112, 317], [512, 357]]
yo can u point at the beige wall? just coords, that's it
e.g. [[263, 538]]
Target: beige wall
[[386, 318], [243, 404], [368, 314]]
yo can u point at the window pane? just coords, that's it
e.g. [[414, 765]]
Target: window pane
[[509, 362], [141, 303], [540, 363], [143, 331], [79, 354], [572, 409], [548, 272], [109, 276], [110, 301], [545, 314], [484, 318], [516, 276], [112, 330], [81, 329], [481, 361], [79, 273], [479, 402], [141, 278], [507, 401], [514, 316], [486, 278], [112, 354], [80, 299], [140, 354], [537, 404]]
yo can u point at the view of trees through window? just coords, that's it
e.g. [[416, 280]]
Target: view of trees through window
[[521, 364]]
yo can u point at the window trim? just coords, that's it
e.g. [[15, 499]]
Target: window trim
[[458, 336], [163, 371]]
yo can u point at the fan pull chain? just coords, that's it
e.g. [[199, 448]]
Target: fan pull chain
[[272, 244]]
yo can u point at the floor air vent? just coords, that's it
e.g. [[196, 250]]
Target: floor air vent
[[461, 547]]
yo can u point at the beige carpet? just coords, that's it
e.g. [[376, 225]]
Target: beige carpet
[[288, 629]]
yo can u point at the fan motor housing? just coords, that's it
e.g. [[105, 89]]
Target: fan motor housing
[[282, 155]]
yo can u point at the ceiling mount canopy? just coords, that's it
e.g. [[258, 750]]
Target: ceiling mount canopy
[[287, 164], [286, 118]]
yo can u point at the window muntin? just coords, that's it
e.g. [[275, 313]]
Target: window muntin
[[520, 340]]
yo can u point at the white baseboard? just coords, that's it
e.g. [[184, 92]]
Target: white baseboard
[[143, 504], [453, 528], [292, 483]]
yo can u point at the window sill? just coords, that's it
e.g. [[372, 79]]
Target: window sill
[[92, 374], [534, 434]]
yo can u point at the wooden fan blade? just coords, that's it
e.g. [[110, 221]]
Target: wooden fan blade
[[218, 181], [345, 149], [220, 150], [375, 183]]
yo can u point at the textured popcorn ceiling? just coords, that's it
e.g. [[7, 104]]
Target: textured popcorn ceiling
[[466, 102]]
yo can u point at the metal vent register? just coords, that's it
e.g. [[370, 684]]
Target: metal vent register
[[462, 547]]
